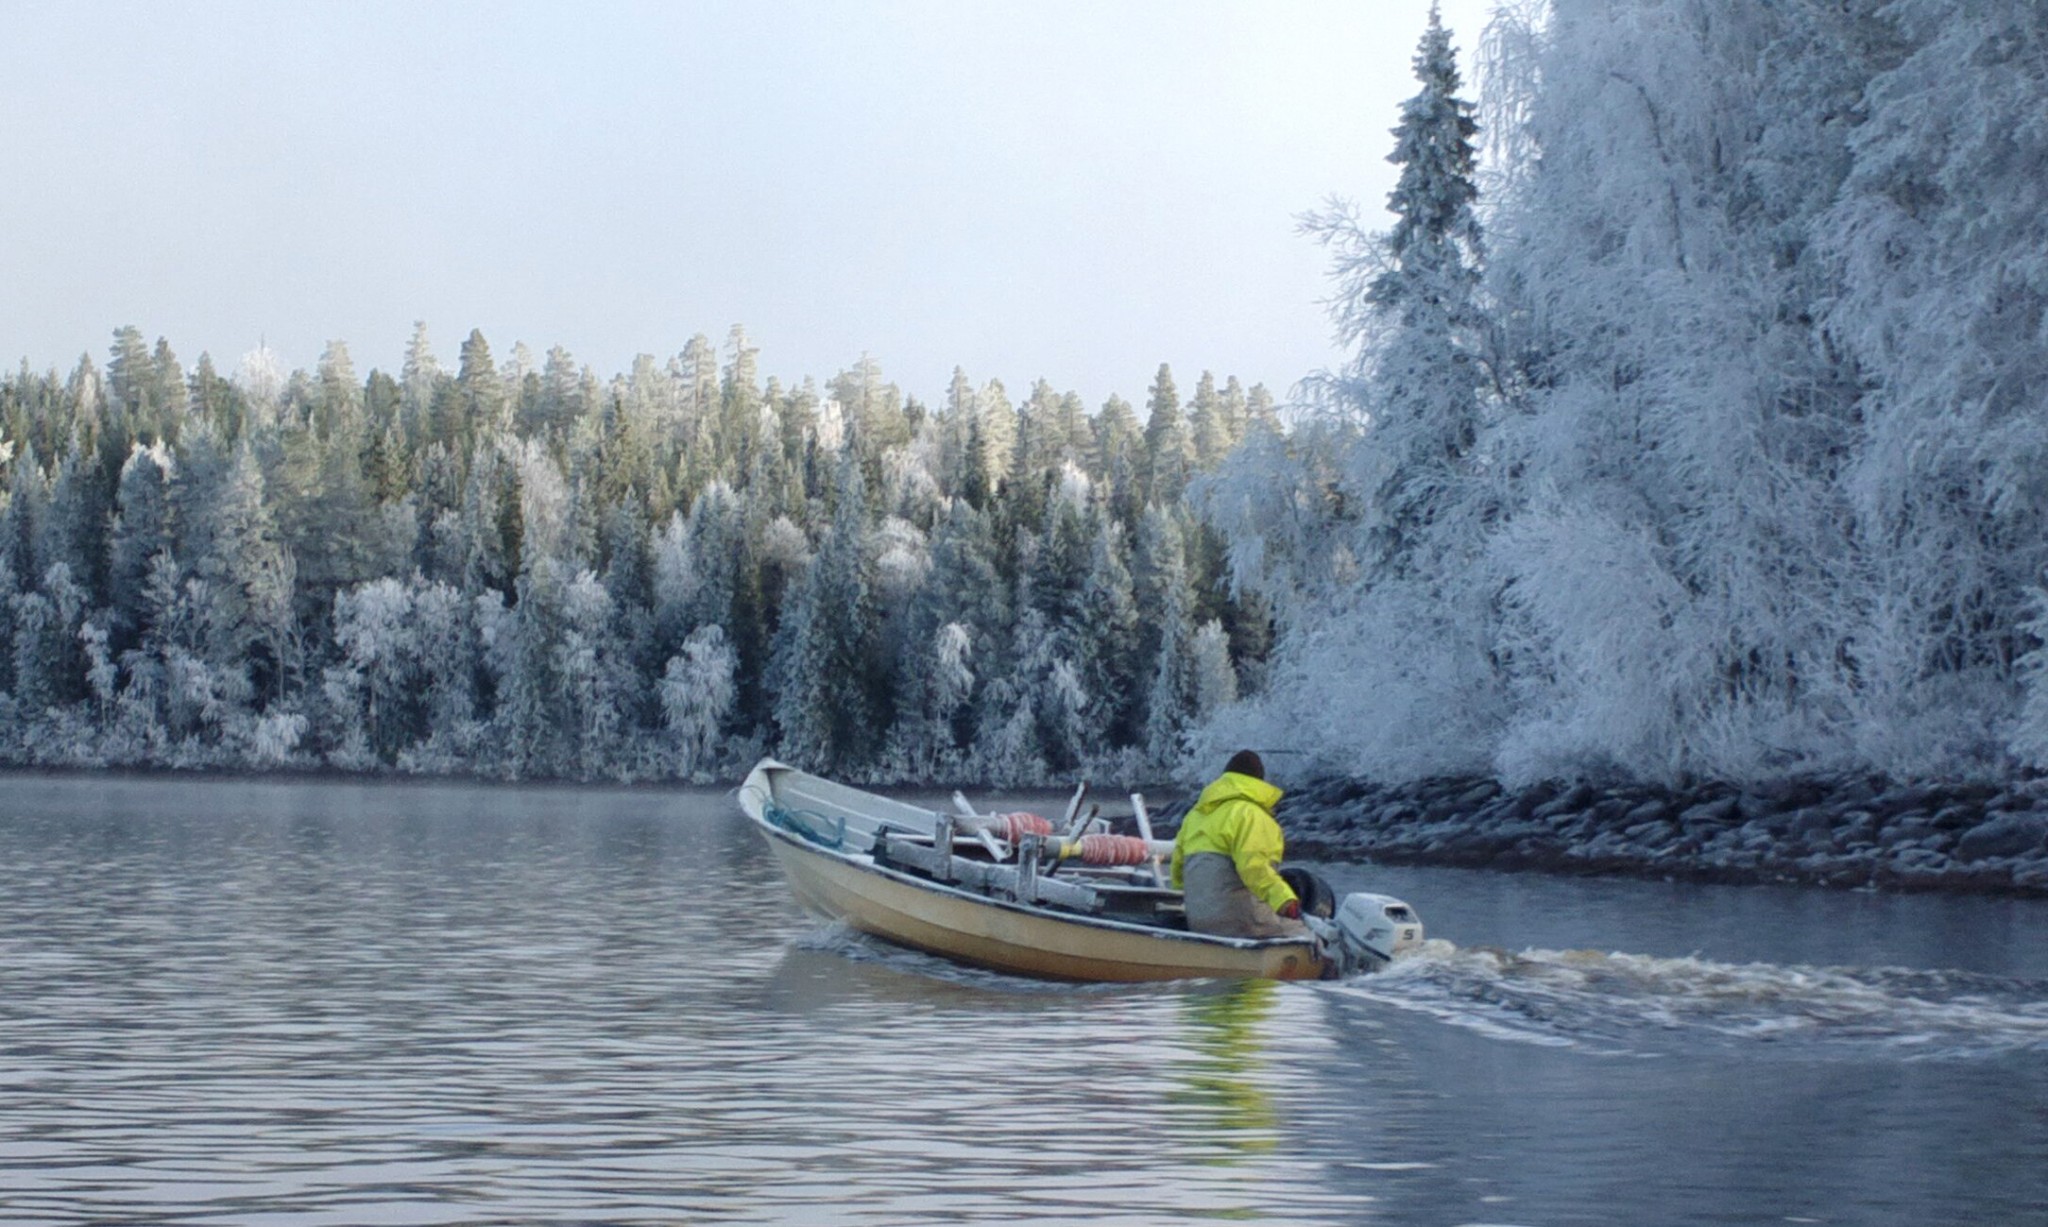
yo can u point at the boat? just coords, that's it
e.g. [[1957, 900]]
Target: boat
[[1019, 893]]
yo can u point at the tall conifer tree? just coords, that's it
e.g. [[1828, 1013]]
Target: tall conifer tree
[[1418, 322]]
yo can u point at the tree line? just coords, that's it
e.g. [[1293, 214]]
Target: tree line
[[521, 569]]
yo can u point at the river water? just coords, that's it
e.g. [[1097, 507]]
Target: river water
[[257, 1002]]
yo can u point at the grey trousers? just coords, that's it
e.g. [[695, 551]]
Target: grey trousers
[[1219, 902]]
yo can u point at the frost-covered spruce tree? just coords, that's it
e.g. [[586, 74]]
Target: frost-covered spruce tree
[[49, 665], [73, 526], [995, 420], [524, 641], [1109, 668], [1371, 520], [1169, 454], [131, 389], [250, 574], [325, 509], [714, 558], [21, 515], [1167, 634], [1408, 300], [481, 407], [141, 530], [1211, 428], [153, 709], [1060, 572], [628, 576], [825, 664], [953, 622], [1118, 461], [419, 382], [955, 435]]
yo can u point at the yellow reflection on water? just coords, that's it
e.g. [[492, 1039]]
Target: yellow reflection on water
[[1223, 1077]]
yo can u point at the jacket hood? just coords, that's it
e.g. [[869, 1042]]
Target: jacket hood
[[1230, 786]]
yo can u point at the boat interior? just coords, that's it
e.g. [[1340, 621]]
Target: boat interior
[[1075, 864]]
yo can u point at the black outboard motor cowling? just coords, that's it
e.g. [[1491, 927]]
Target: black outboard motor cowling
[[1317, 899]]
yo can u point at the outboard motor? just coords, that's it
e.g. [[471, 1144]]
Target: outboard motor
[[1366, 932]]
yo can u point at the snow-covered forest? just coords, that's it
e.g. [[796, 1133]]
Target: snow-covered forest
[[1695, 425], [522, 569], [1698, 418]]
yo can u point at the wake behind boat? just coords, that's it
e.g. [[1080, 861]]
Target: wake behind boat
[[1017, 893]]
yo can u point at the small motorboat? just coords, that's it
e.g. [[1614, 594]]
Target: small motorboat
[[1019, 893]]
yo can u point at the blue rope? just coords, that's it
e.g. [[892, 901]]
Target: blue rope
[[808, 825]]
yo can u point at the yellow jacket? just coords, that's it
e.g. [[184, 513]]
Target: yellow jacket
[[1234, 816]]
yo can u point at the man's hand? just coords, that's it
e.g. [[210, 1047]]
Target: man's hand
[[1291, 909]]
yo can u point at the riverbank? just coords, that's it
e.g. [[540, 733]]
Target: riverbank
[[1850, 833]]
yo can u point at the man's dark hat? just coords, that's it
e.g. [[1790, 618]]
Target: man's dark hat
[[1247, 762]]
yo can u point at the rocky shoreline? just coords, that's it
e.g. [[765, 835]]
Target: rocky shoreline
[[1981, 838]]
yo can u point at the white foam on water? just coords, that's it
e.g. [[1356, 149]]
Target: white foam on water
[[1628, 1005], [1620, 1004]]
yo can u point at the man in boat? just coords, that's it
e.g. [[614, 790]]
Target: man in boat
[[1226, 859]]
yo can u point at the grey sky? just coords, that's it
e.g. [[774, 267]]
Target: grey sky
[[1077, 191]]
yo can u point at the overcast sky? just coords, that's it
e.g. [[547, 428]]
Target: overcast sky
[[1078, 191]]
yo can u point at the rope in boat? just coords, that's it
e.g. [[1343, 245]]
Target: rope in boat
[[1114, 850], [1016, 825], [808, 824]]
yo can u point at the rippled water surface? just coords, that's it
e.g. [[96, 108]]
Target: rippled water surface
[[322, 1002]]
